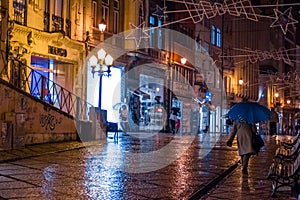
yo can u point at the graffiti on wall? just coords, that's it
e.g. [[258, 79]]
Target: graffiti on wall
[[5, 95], [49, 121]]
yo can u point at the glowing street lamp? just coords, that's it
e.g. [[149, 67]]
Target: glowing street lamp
[[102, 27], [183, 61], [241, 82], [104, 61]]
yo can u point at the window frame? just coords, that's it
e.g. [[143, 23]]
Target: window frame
[[94, 14], [105, 14], [116, 21]]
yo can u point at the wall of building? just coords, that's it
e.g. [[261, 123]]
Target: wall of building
[[33, 121]]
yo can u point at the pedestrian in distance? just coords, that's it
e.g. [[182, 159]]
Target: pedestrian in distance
[[177, 124], [123, 115], [244, 132], [172, 120]]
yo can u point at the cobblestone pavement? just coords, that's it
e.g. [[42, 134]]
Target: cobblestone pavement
[[256, 185], [71, 171]]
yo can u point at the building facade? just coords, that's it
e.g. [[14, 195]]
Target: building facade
[[57, 38]]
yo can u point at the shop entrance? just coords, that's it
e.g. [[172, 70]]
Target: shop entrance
[[150, 97], [47, 73]]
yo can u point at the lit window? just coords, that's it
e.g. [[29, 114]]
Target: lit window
[[152, 20], [152, 24], [218, 37], [213, 34], [159, 23]]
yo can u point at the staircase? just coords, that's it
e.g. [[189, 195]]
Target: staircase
[[35, 109]]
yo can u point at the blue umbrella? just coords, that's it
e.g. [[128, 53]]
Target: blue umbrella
[[250, 112]]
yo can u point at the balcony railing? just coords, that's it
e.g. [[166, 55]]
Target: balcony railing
[[19, 12], [57, 23], [44, 89]]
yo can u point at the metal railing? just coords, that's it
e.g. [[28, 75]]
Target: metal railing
[[36, 84], [20, 12]]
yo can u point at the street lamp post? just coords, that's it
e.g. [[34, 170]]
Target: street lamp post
[[104, 61]]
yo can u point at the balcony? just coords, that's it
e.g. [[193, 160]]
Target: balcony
[[19, 12], [57, 23]]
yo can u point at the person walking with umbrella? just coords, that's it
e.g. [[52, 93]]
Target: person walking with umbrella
[[245, 115], [244, 132]]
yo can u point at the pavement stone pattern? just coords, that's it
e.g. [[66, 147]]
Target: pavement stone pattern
[[255, 185], [69, 171]]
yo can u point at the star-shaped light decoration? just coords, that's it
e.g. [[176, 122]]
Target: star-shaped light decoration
[[283, 19], [137, 33], [217, 57], [160, 12]]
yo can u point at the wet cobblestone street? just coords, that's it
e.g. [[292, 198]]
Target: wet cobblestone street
[[96, 172], [100, 172]]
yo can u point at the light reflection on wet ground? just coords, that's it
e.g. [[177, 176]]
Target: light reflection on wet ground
[[98, 172]]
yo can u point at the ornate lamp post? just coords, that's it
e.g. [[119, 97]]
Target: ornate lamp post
[[104, 61]]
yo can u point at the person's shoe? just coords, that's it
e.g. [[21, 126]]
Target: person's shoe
[[245, 171]]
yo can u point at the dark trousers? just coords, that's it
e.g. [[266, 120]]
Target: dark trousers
[[245, 160], [172, 126], [273, 128]]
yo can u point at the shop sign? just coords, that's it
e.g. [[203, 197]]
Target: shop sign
[[57, 51], [181, 89]]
